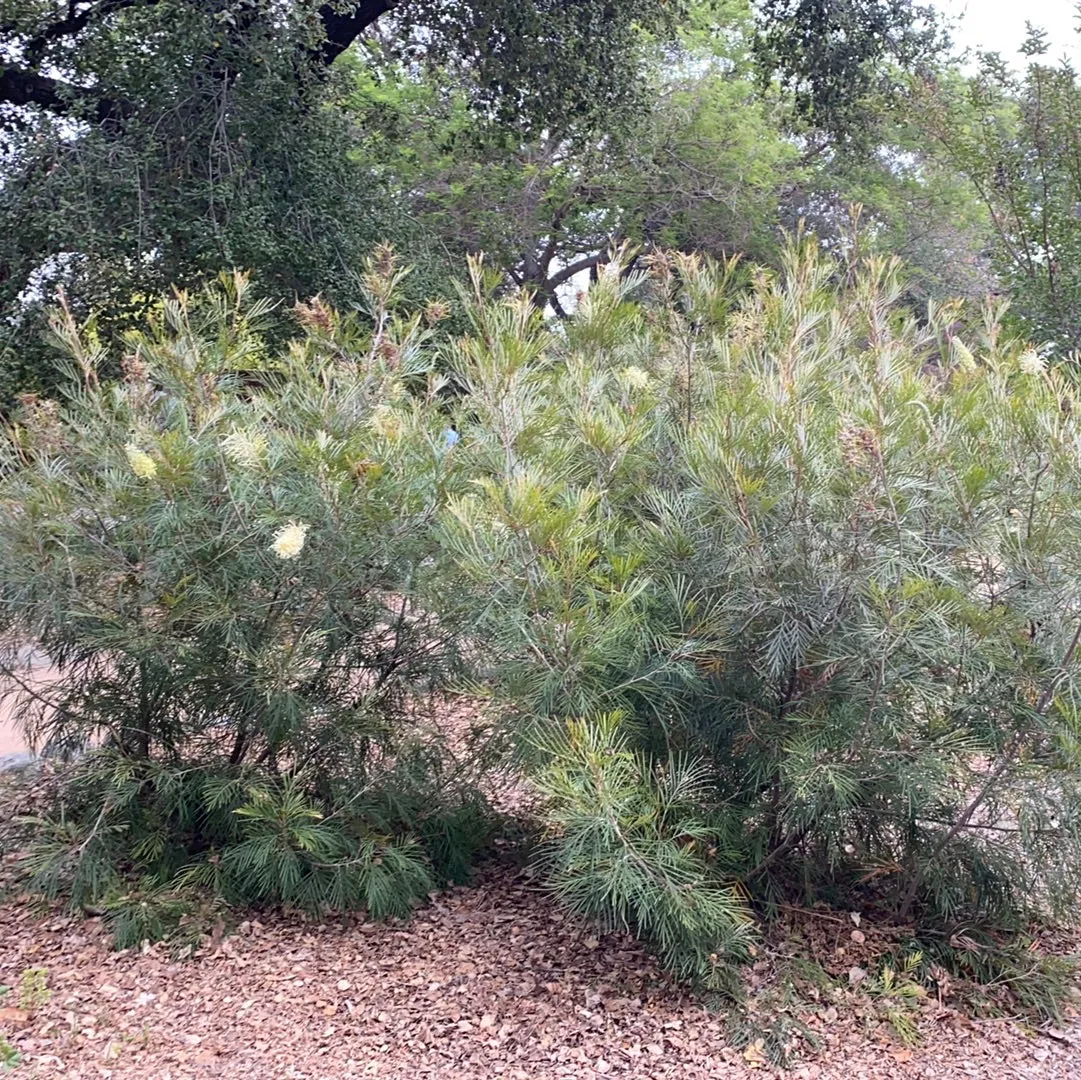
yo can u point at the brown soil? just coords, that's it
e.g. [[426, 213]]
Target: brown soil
[[490, 981]]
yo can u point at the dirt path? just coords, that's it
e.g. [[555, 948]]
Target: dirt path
[[14, 748], [487, 982], [11, 739], [492, 981]]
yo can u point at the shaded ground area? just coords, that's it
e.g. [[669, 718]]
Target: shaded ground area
[[490, 981]]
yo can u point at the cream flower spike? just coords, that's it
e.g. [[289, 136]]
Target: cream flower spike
[[1031, 364], [289, 540], [635, 377], [245, 448], [142, 464]]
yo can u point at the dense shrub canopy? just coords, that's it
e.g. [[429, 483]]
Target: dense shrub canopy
[[216, 554], [774, 584], [822, 551]]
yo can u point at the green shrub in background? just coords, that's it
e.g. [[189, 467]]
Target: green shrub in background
[[217, 554], [775, 585], [818, 555]]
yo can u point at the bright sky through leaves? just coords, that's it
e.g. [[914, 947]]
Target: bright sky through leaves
[[999, 25]]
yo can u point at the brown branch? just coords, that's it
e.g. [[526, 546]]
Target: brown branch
[[996, 774], [25, 86], [19, 86], [576, 267], [782, 849], [557, 307], [342, 28]]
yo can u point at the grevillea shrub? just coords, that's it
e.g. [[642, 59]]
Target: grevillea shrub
[[217, 555], [775, 582], [784, 583]]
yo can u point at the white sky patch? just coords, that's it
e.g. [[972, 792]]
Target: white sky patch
[[999, 26]]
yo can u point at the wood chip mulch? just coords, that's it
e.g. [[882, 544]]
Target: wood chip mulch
[[487, 981]]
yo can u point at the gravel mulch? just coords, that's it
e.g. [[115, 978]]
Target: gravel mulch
[[487, 981]]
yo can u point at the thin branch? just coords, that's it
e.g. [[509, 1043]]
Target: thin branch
[[996, 774], [793, 840], [20, 86]]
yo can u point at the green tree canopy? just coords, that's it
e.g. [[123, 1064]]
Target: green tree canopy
[[148, 143], [700, 165], [1015, 138], [833, 54]]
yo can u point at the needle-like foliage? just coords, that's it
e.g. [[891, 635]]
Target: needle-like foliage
[[217, 556], [818, 551], [776, 583]]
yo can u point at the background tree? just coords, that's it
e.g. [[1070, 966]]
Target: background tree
[[895, 194], [153, 144], [700, 165], [836, 54], [1016, 138], [716, 160], [147, 144]]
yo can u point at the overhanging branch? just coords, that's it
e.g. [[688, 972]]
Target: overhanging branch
[[576, 267], [19, 86], [342, 28], [23, 85]]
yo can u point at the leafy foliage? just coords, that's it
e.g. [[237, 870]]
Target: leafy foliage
[[1015, 138], [538, 64], [834, 54], [700, 164], [152, 145], [9, 1055], [34, 989], [713, 161], [777, 535], [999, 975], [176, 543], [896, 992], [200, 173]]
